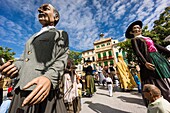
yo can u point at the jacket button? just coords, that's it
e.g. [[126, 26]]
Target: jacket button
[[29, 52], [27, 59]]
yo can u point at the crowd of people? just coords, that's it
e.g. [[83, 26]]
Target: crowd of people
[[47, 81]]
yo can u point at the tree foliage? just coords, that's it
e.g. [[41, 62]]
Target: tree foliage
[[6, 53], [75, 57], [161, 28], [160, 31]]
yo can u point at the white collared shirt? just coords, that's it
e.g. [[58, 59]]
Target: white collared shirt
[[139, 36], [44, 29]]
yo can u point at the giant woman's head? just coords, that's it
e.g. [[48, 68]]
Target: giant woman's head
[[134, 29]]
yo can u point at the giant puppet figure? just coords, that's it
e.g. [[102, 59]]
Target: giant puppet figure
[[41, 67], [154, 68]]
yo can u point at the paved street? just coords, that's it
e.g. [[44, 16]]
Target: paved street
[[121, 102]]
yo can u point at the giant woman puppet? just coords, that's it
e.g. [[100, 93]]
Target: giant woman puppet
[[155, 69]]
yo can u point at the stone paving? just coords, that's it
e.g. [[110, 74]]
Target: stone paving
[[121, 102]]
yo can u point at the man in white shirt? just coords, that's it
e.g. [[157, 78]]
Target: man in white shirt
[[157, 104]]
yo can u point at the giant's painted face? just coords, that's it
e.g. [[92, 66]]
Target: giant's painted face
[[46, 15], [136, 30]]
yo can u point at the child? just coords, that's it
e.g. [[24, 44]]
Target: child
[[6, 103], [109, 84], [135, 76]]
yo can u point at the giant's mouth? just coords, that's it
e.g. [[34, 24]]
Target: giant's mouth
[[42, 16]]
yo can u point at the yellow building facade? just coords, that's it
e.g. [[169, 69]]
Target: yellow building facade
[[105, 52]]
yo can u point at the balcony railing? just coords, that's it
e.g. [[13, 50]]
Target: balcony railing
[[105, 58]]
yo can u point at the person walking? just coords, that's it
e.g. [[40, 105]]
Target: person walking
[[6, 103], [109, 83], [90, 86]]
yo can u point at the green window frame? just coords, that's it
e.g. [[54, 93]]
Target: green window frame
[[100, 64], [104, 54], [99, 55], [102, 45], [111, 62], [106, 63], [110, 53], [98, 46], [117, 53]]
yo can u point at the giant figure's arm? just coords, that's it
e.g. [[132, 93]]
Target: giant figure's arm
[[162, 49], [137, 51]]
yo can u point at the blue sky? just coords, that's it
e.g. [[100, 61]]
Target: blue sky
[[84, 20]]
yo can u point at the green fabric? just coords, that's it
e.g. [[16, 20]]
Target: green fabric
[[161, 64], [90, 86]]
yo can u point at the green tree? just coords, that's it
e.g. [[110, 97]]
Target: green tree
[[127, 47], [6, 53], [161, 28], [75, 57]]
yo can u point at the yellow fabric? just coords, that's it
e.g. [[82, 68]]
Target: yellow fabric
[[5, 83], [80, 92], [126, 78]]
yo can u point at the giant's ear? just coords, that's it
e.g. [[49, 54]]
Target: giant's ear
[[131, 32], [56, 18]]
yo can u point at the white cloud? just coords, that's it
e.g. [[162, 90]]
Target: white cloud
[[84, 20], [120, 12]]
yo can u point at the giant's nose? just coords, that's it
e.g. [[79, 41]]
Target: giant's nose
[[40, 10]]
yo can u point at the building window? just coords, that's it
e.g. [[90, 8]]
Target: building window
[[93, 58], [88, 58], [106, 63], [104, 54], [99, 55], [100, 64], [97, 46], [108, 43], [110, 53], [103, 45], [111, 62], [117, 53]]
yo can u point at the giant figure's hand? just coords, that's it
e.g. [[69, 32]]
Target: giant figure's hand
[[39, 93], [8, 69], [149, 66]]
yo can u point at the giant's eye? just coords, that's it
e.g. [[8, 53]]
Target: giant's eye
[[46, 8]]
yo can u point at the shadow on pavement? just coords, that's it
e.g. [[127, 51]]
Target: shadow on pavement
[[100, 108], [136, 93], [103, 94], [131, 100]]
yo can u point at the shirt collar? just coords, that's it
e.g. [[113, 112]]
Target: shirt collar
[[139, 36], [44, 29], [156, 101]]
